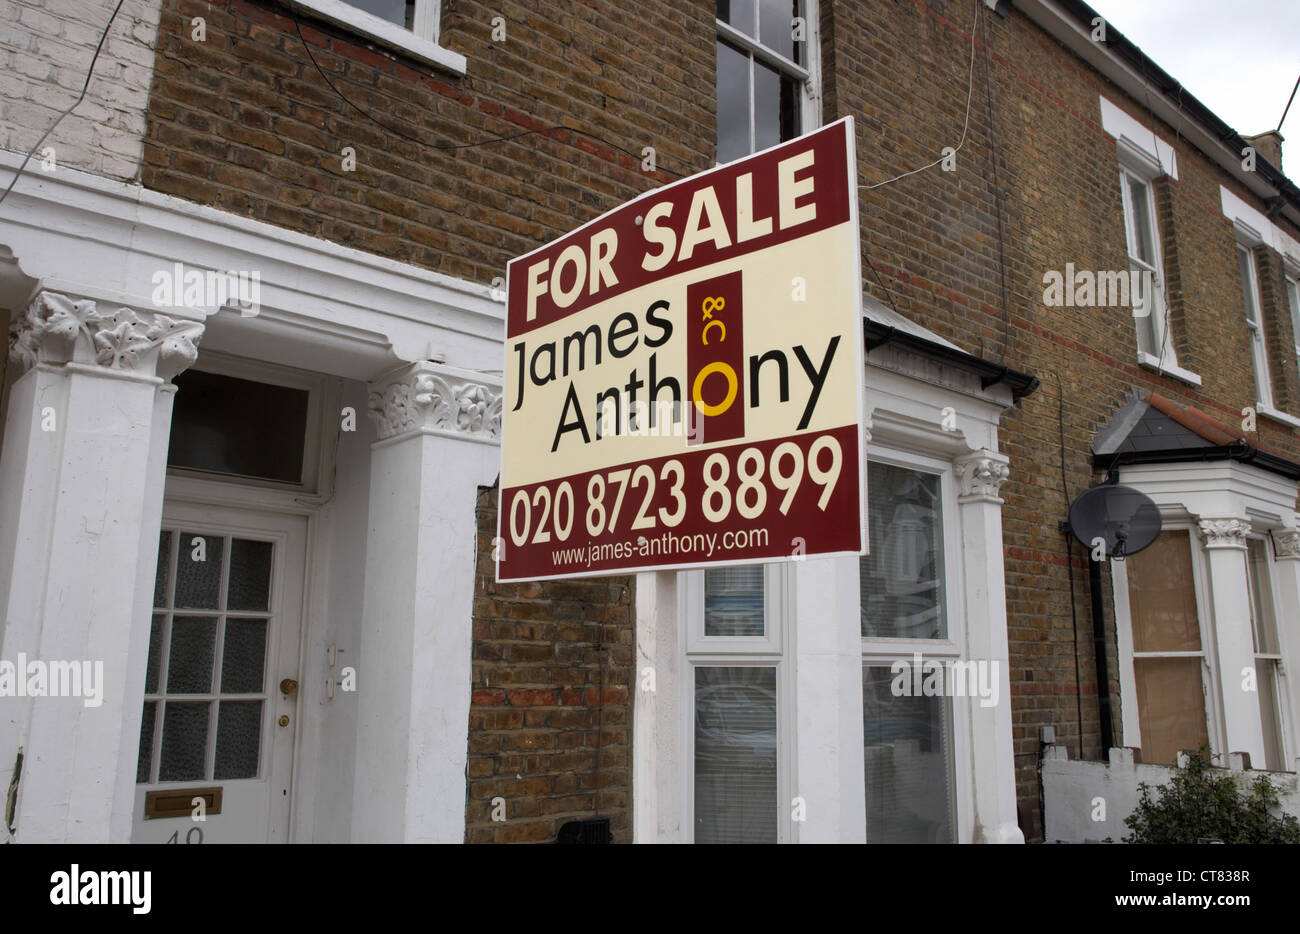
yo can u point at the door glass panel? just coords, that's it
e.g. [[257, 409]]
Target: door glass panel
[[1171, 707], [1162, 600], [733, 601], [239, 739], [244, 656], [191, 656], [735, 755], [198, 571], [164, 566], [218, 734], [909, 769], [184, 742], [250, 575]]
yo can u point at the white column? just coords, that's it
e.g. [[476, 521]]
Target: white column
[[1225, 550], [829, 762], [81, 491], [656, 749], [979, 476], [1287, 575], [439, 430]]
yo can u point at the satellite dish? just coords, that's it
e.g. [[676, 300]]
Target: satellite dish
[[1125, 518]]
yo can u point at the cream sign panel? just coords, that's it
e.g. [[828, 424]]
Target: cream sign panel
[[683, 375]]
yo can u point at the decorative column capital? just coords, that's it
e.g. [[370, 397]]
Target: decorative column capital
[[57, 330], [430, 397], [1226, 532], [1286, 542], [980, 476]]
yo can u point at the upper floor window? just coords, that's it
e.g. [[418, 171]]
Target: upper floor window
[[763, 75], [1293, 303], [1155, 342], [407, 26], [1254, 322], [419, 16]]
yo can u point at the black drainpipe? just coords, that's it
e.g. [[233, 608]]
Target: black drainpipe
[[1099, 647]]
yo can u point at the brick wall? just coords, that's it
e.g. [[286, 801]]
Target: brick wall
[[245, 122], [45, 52], [551, 711], [964, 253]]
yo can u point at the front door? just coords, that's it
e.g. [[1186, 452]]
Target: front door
[[220, 697]]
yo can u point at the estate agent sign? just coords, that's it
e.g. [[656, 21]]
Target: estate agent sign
[[683, 375]]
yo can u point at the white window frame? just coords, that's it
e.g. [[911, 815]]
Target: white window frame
[[772, 650], [1165, 360], [1293, 305], [1255, 326], [808, 75], [1211, 685], [1281, 687], [420, 41], [885, 651]]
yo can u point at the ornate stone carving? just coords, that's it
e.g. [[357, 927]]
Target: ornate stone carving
[[428, 396], [1287, 543], [58, 329], [1224, 533], [981, 474]]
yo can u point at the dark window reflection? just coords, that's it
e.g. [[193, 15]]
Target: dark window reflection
[[733, 104]]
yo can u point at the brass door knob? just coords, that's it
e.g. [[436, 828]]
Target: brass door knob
[[288, 686], [284, 719]]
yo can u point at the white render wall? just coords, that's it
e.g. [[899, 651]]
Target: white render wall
[[45, 52]]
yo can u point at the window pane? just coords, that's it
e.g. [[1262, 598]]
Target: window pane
[[243, 658], [735, 755], [907, 742], [1140, 219], [184, 742], [239, 739], [1247, 286], [767, 107], [144, 756], [392, 10], [902, 579], [733, 104], [237, 426], [1145, 319], [164, 565], [1162, 600], [776, 26], [738, 13], [155, 655], [1171, 707], [1293, 299], [1263, 618], [1266, 683], [198, 571], [189, 663], [733, 601], [250, 575]]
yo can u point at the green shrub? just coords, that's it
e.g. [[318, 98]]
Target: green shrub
[[1203, 803]]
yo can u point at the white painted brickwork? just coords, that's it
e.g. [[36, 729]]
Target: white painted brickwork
[[45, 51]]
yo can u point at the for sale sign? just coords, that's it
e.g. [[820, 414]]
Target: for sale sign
[[683, 375]]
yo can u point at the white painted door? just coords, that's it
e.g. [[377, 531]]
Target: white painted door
[[221, 700]]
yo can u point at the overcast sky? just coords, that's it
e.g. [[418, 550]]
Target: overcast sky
[[1239, 59]]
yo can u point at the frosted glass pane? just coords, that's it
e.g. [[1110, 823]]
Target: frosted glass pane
[[145, 754], [907, 743], [189, 665], [239, 739], [1171, 707], [902, 580], [244, 656], [155, 654], [198, 571], [250, 575], [162, 575], [185, 738], [1162, 598], [733, 601], [735, 755]]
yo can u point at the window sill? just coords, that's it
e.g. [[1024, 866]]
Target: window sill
[[1269, 412], [385, 33], [1168, 369]]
